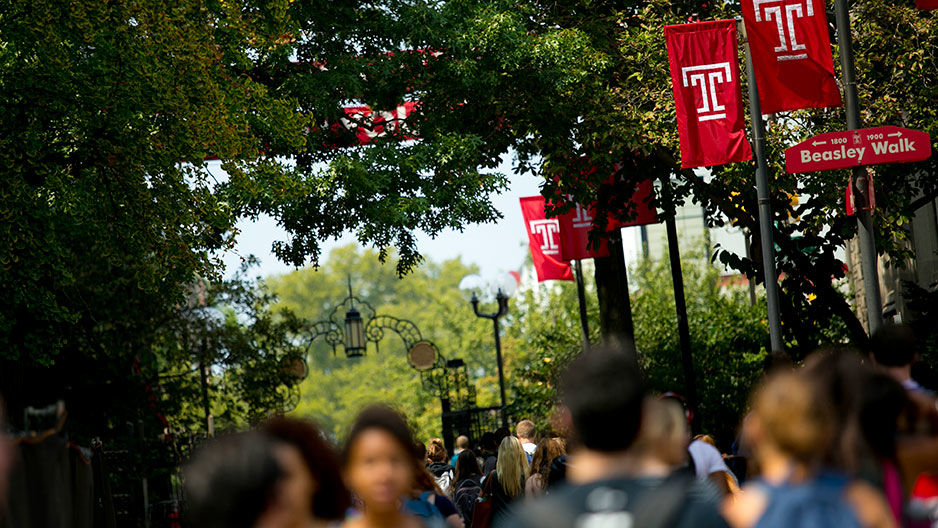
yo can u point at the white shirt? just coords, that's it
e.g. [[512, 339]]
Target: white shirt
[[707, 459], [529, 448]]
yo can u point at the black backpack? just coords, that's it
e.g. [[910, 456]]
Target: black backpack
[[465, 495]]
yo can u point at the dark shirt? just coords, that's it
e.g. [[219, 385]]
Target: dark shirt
[[619, 502], [445, 505], [501, 500], [489, 465]]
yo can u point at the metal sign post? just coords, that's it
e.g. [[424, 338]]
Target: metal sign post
[[765, 205], [874, 304]]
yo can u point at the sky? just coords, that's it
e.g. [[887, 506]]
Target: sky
[[495, 248]]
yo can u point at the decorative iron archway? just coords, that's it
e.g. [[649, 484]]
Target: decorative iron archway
[[446, 379]]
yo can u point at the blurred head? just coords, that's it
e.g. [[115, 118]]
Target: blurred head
[[488, 443], [547, 450], [435, 450], [883, 402], [839, 377], [462, 442], [467, 465], [500, 435], [511, 466], [894, 345], [420, 450], [312, 482], [603, 390], [525, 430], [232, 483], [664, 434], [379, 461], [789, 416]]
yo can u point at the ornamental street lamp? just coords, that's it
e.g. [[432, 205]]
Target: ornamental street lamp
[[448, 379], [472, 283], [354, 331]]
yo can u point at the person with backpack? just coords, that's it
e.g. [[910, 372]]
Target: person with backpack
[[488, 452], [788, 429], [548, 449], [603, 394], [428, 496], [467, 484], [437, 464]]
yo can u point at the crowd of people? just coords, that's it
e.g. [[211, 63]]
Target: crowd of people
[[846, 439]]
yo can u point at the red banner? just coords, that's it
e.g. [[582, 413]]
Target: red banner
[[544, 241], [926, 4], [369, 125], [576, 224], [707, 93], [791, 54]]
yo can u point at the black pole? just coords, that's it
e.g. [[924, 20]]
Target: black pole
[[765, 205], [680, 306], [501, 373], [581, 297], [502, 310], [874, 304], [750, 278], [447, 422]]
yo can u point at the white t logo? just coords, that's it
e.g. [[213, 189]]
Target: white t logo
[[707, 76], [582, 218], [784, 13], [547, 229]]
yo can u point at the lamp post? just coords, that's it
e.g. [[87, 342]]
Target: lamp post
[[502, 310], [354, 328]]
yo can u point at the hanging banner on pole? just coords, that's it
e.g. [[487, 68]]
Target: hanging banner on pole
[[575, 225], [544, 241], [707, 93], [791, 54]]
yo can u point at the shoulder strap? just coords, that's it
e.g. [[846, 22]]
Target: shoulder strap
[[660, 506], [487, 486]]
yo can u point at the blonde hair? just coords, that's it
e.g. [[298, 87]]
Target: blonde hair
[[511, 468], [793, 417]]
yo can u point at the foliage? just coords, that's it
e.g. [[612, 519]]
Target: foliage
[[728, 342], [246, 346], [729, 338], [111, 213], [571, 85], [542, 339], [337, 387]]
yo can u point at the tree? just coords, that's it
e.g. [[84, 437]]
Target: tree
[[728, 340], [111, 212], [574, 84], [230, 353]]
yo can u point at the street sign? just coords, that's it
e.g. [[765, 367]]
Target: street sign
[[853, 148]]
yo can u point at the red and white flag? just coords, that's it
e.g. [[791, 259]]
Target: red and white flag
[[575, 225], [544, 241], [707, 93], [791, 54]]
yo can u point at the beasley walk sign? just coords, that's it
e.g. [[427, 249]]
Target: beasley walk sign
[[853, 148]]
